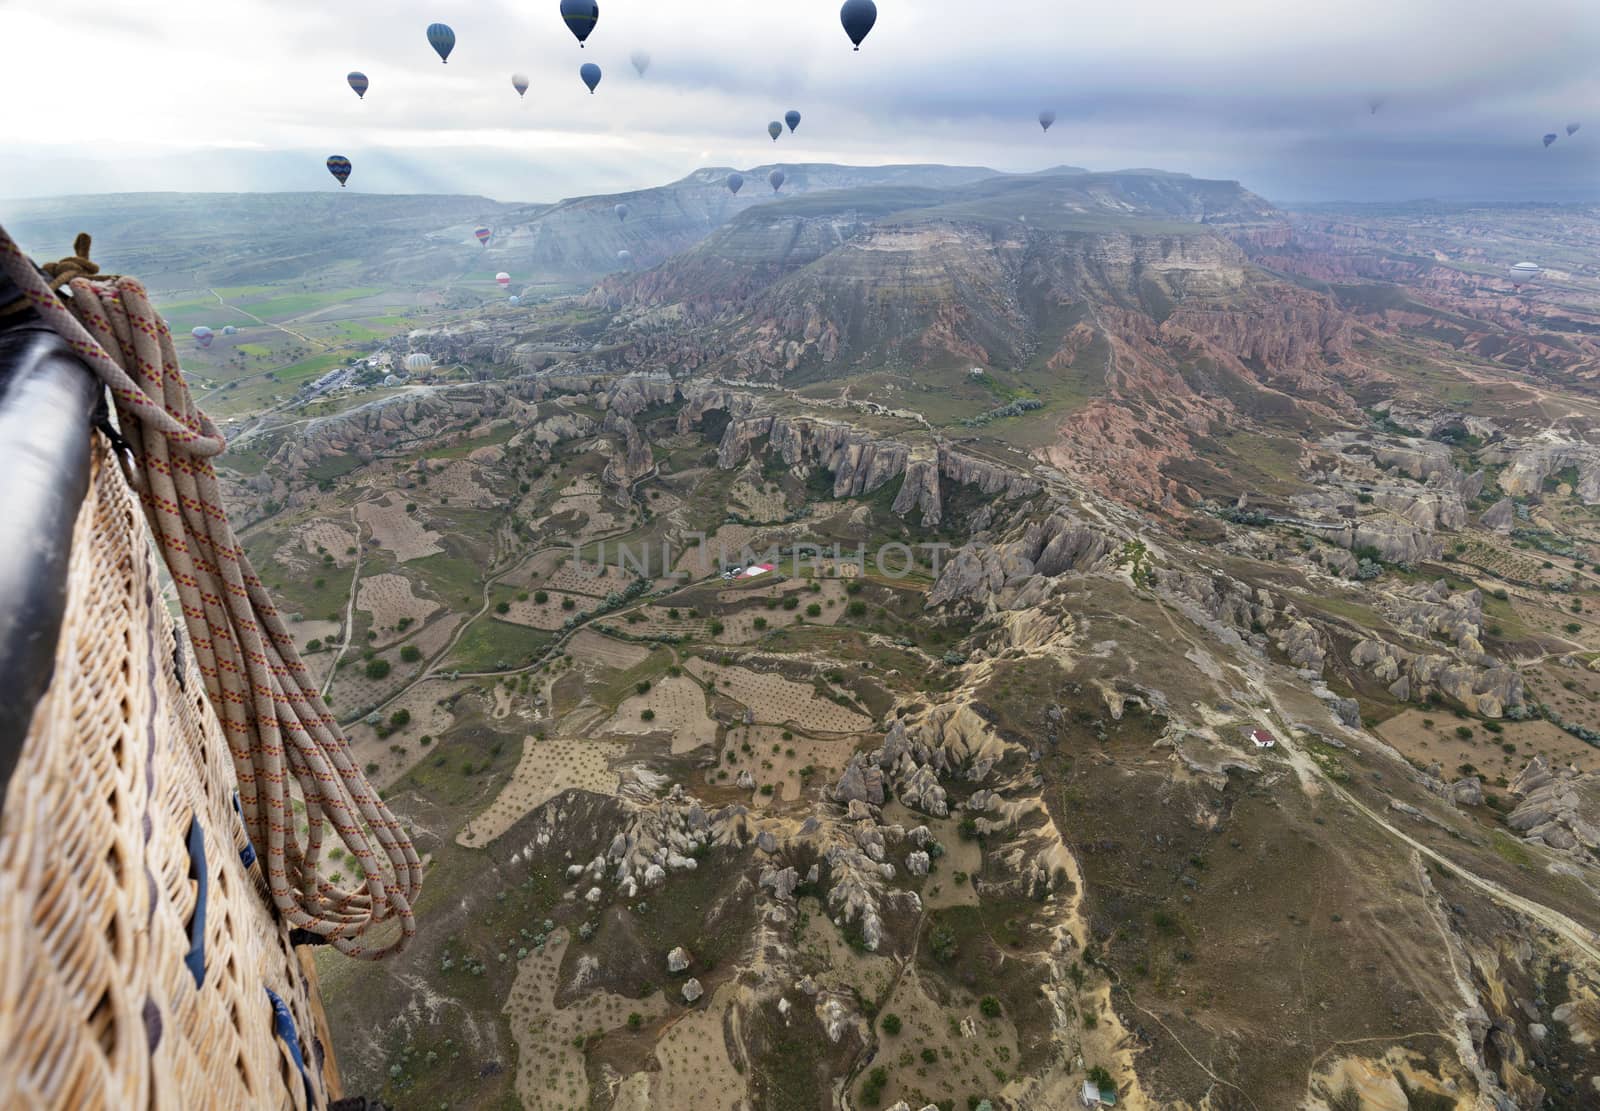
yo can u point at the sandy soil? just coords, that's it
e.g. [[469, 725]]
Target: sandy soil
[[966, 857], [332, 538], [548, 616], [390, 600], [591, 580], [968, 1046], [396, 754], [546, 769], [550, 1068], [1483, 750], [307, 631], [776, 700], [826, 759], [397, 531], [680, 709], [457, 481], [589, 647], [728, 544], [695, 1071]]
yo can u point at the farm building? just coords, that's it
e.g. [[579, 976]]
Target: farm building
[[1262, 738]]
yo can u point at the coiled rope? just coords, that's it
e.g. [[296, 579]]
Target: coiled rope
[[277, 725]]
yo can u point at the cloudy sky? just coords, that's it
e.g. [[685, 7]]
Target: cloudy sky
[[219, 95]]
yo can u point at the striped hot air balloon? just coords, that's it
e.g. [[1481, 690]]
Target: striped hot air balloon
[[442, 39], [519, 82], [358, 82], [339, 167], [581, 17], [483, 235], [503, 279]]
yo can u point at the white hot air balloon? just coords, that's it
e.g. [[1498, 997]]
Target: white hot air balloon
[[504, 279], [641, 61], [1525, 272], [418, 363]]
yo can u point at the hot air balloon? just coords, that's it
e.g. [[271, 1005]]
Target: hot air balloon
[[1550, 138], [1572, 128], [418, 363], [442, 39], [776, 177], [590, 74], [230, 330], [339, 167], [358, 82], [641, 61], [204, 335], [735, 183], [624, 257], [504, 279], [519, 82], [1374, 104], [858, 16], [622, 211], [514, 301], [774, 129], [792, 118], [1046, 118], [1525, 272], [483, 235], [581, 16]]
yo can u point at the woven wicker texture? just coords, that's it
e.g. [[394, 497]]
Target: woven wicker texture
[[124, 766]]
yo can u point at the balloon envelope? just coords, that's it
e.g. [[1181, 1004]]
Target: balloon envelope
[[774, 129], [792, 118], [622, 211], [858, 16], [1526, 271], [641, 61], [624, 256], [1550, 138], [515, 300], [230, 330], [204, 335], [590, 74], [519, 82], [504, 279], [339, 167], [1046, 118], [776, 177], [1572, 128], [483, 235], [358, 82], [418, 363], [735, 183], [581, 16], [1374, 104], [442, 39]]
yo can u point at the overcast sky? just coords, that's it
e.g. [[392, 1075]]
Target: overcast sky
[[221, 95]]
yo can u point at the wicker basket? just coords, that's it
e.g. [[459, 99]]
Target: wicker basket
[[141, 963]]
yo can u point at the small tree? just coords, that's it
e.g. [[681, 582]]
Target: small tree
[[377, 669], [890, 1024]]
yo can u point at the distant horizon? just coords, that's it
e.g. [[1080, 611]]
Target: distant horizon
[[1462, 200]]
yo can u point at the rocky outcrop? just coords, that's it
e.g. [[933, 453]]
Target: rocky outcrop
[[1558, 807], [635, 460], [1483, 684], [1499, 517], [995, 576], [1531, 463]]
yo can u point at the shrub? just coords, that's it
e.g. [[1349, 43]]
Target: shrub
[[642, 686], [377, 669], [372, 769], [541, 596], [502, 607], [716, 628], [635, 1020], [568, 604], [1574, 627], [856, 609], [990, 1006], [760, 623], [872, 1090], [648, 715], [813, 610], [313, 646], [411, 653], [400, 719], [929, 1057], [1464, 732], [890, 1024]]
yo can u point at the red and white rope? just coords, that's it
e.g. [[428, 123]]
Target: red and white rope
[[277, 725]]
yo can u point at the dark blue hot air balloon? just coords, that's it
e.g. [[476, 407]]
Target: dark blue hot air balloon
[[581, 16], [339, 167], [590, 74], [776, 178], [735, 183], [442, 39], [858, 16], [1572, 128], [792, 118], [1550, 138], [358, 82], [1046, 118]]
